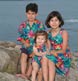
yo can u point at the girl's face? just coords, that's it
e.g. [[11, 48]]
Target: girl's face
[[40, 40], [54, 22]]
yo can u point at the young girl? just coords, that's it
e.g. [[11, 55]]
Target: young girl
[[40, 50], [59, 58]]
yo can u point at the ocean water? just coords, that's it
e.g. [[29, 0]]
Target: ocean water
[[12, 13]]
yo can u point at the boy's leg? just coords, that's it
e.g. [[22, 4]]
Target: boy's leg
[[51, 71], [34, 71], [29, 70], [39, 77], [23, 62]]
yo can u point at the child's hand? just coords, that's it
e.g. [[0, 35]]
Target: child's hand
[[43, 53], [27, 44], [54, 53]]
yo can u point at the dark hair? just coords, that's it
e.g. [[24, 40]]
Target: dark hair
[[41, 33], [54, 14], [33, 7]]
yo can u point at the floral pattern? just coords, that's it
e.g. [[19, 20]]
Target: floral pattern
[[62, 61], [38, 58], [27, 32]]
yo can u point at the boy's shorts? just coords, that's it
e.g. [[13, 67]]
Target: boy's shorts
[[27, 50]]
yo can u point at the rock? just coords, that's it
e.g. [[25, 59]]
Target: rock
[[7, 44], [9, 55], [4, 60], [9, 77], [9, 60]]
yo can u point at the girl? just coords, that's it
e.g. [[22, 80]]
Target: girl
[[40, 50], [59, 58]]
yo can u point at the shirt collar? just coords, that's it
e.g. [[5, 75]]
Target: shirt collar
[[35, 21]]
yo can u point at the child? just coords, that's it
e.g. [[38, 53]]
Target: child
[[59, 58], [26, 31], [40, 50]]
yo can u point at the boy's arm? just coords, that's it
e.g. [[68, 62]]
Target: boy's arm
[[21, 32], [25, 42], [22, 36]]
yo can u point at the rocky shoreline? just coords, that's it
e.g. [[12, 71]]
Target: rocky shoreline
[[9, 55]]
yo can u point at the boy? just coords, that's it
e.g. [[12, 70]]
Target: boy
[[27, 31]]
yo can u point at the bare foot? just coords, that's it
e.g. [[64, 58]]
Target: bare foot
[[28, 77], [18, 75], [22, 76]]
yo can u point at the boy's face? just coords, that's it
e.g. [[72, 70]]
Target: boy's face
[[31, 16]]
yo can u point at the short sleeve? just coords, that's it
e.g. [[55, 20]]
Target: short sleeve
[[21, 30]]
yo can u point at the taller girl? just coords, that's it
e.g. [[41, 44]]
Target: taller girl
[[60, 57]]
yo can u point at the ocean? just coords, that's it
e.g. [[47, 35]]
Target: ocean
[[12, 13]]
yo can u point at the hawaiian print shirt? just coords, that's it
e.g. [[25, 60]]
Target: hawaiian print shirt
[[27, 32]]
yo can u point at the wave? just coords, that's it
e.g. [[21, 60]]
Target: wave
[[72, 20]]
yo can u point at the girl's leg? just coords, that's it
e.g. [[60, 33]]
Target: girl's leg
[[45, 68], [39, 77], [34, 71], [51, 71]]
